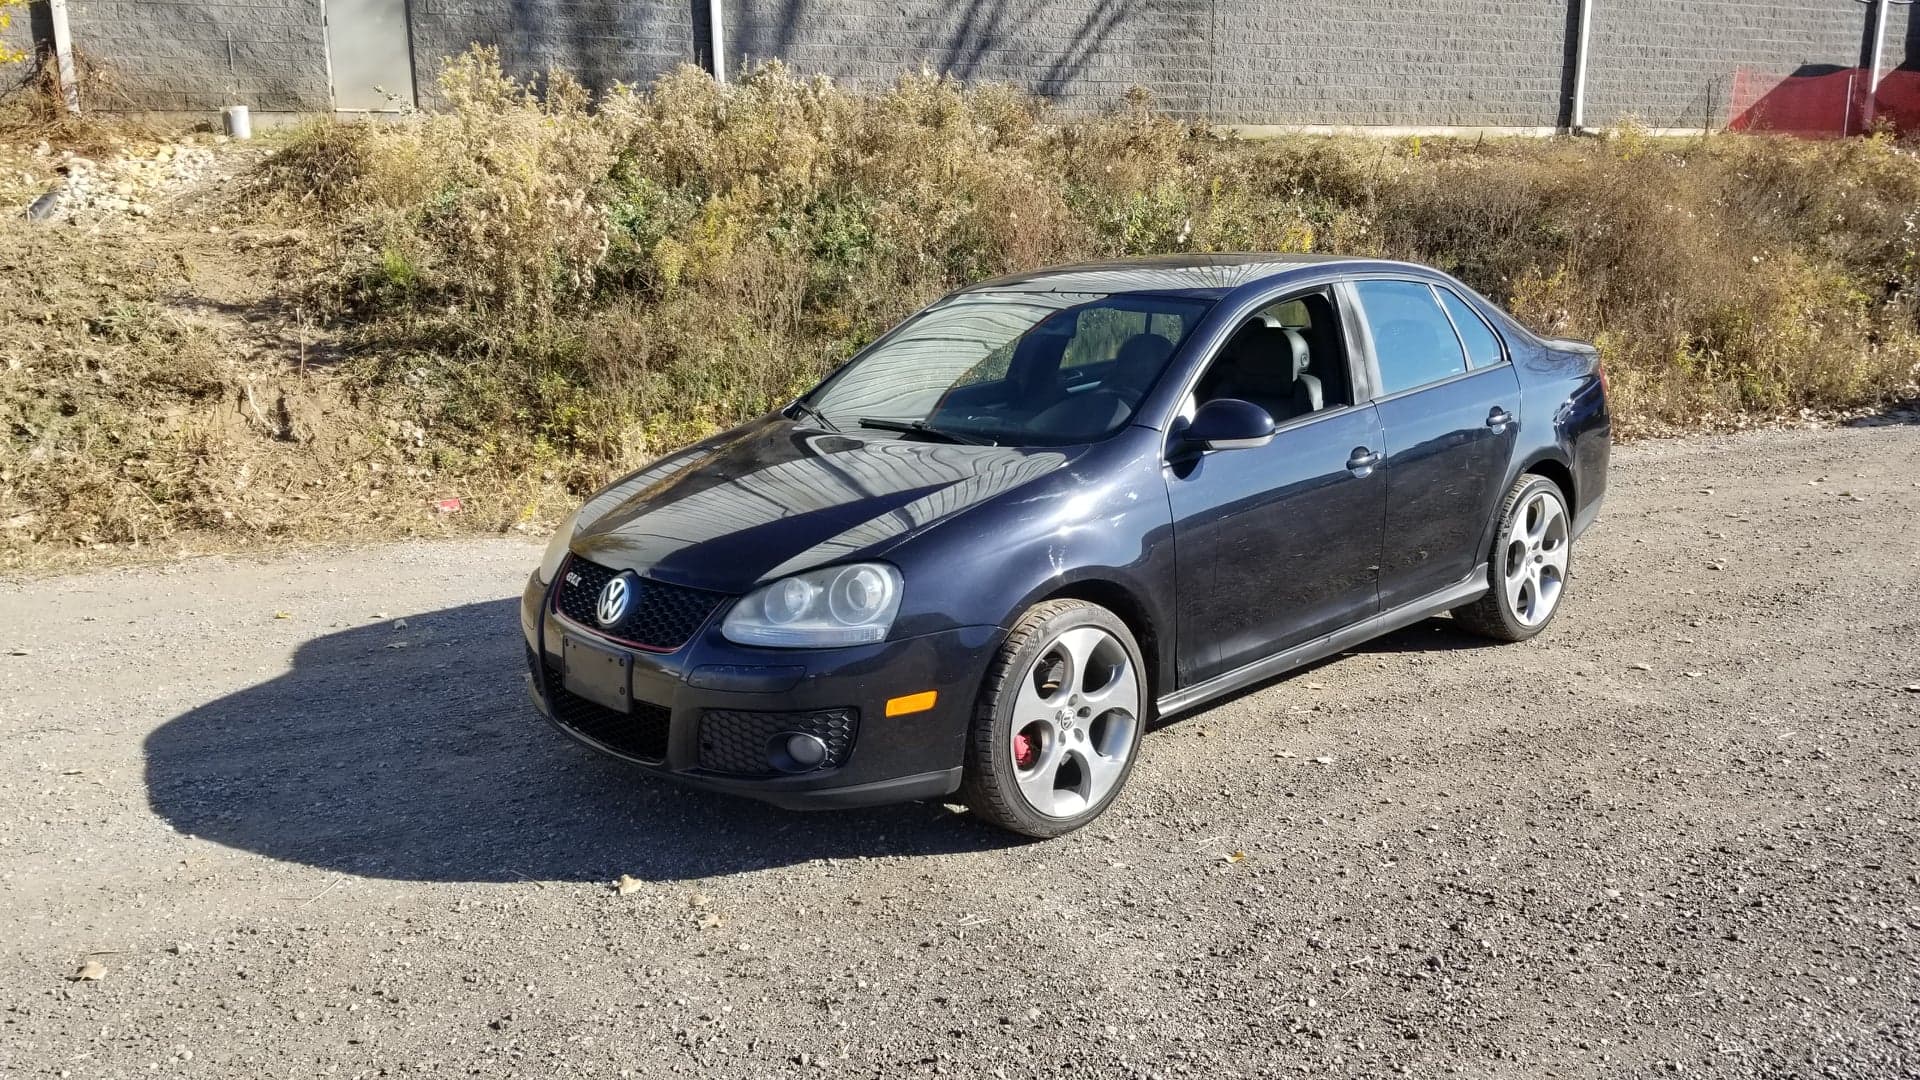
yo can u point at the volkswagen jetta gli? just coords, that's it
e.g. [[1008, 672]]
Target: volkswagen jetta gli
[[984, 553]]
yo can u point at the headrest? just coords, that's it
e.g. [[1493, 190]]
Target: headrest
[[1302, 355], [1036, 359], [1043, 345], [1139, 361], [1267, 359]]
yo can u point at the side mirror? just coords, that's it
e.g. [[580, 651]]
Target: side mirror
[[1229, 424]]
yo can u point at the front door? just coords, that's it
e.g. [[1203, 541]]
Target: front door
[[1278, 544], [370, 55]]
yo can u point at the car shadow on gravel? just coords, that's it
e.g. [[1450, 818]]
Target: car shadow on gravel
[[412, 753]]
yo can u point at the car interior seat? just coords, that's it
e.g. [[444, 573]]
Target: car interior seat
[[1268, 366], [1135, 368]]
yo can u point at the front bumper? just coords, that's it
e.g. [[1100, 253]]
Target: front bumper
[[890, 759]]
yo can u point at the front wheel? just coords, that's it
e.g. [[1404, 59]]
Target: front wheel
[[1058, 722], [1530, 560]]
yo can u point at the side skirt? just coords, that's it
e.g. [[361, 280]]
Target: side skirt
[[1465, 591]]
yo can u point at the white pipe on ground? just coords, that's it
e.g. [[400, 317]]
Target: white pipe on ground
[[63, 54], [1577, 119], [717, 40]]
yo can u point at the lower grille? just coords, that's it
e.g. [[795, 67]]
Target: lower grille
[[640, 734], [735, 742]]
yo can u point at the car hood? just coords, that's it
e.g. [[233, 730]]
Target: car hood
[[774, 497]]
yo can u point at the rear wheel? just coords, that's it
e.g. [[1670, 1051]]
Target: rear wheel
[[1058, 722], [1531, 557]]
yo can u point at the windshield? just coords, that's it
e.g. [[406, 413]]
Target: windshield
[[1012, 369]]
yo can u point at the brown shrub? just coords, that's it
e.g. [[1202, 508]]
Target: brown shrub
[[610, 280]]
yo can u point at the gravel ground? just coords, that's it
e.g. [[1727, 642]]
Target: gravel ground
[[1675, 835]]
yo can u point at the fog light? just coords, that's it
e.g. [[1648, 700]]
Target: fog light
[[796, 752]]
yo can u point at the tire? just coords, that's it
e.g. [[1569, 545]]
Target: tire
[[1528, 565], [1057, 727]]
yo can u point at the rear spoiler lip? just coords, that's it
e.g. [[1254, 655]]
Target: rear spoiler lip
[[1570, 345]]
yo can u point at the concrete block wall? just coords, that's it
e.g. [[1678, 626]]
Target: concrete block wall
[[599, 41], [195, 56], [1436, 63], [19, 36], [1672, 65], [1337, 62]]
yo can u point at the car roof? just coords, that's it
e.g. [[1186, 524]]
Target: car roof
[[1201, 276]]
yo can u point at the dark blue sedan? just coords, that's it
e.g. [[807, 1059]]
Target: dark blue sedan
[[986, 552]]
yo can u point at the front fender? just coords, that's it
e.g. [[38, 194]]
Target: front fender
[[1103, 532]]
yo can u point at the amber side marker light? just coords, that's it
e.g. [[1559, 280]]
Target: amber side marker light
[[912, 703]]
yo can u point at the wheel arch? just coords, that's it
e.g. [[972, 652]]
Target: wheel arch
[[1557, 471], [1130, 609]]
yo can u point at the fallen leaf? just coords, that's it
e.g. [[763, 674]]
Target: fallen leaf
[[1693, 674], [396, 644], [399, 624], [1323, 761], [1641, 665], [627, 885], [283, 614], [91, 971]]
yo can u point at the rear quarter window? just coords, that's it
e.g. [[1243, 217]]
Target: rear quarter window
[[1483, 345]]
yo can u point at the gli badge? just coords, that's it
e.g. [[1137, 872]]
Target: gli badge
[[614, 600]]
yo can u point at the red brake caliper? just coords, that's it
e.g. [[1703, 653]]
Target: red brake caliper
[[1026, 751]]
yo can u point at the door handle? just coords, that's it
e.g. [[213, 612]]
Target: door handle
[[1362, 461], [1498, 419]]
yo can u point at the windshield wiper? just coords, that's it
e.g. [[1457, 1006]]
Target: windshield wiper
[[921, 427], [816, 415]]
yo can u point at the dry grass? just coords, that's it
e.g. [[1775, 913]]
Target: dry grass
[[516, 298]]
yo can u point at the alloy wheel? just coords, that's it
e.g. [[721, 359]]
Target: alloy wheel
[[1535, 566], [1074, 720]]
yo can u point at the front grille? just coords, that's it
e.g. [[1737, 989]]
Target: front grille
[[735, 742], [641, 733], [659, 616]]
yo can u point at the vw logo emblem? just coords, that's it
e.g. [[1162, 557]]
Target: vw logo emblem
[[614, 597]]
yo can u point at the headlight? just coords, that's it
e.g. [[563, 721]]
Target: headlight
[[840, 605], [557, 548]]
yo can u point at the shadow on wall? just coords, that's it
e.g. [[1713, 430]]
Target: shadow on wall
[[981, 28], [426, 762]]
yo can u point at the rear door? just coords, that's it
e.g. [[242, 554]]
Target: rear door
[[1449, 405]]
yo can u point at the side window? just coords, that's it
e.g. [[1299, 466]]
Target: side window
[[1412, 339], [1289, 359], [1483, 347]]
